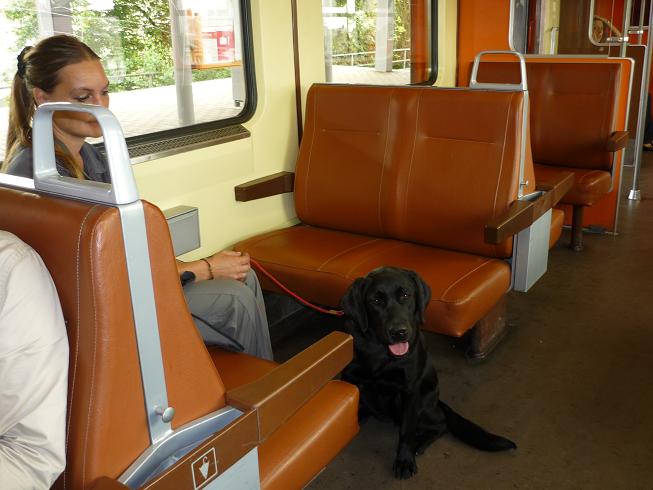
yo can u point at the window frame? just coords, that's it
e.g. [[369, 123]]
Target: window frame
[[434, 46], [433, 42], [170, 141]]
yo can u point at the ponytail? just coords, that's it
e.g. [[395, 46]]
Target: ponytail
[[21, 111]]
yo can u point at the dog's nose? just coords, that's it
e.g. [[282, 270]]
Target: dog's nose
[[399, 334]]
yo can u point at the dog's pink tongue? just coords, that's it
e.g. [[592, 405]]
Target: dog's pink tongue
[[399, 349]]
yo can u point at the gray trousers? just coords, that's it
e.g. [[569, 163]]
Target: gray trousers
[[231, 314]]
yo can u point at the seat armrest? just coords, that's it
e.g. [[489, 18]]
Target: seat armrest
[[270, 185], [523, 213], [276, 396], [617, 141]]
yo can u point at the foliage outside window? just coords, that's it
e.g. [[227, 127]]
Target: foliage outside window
[[136, 40], [369, 41]]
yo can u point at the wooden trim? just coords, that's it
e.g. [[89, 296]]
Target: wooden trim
[[558, 187], [522, 214], [617, 141], [298, 83], [277, 395], [270, 185]]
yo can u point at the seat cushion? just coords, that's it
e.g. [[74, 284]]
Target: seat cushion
[[589, 185], [313, 436], [320, 264]]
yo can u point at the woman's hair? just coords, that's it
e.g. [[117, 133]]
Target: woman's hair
[[39, 67]]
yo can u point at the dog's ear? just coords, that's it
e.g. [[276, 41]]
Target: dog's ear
[[353, 303], [422, 296]]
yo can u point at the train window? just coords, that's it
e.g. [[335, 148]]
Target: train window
[[180, 70], [385, 42], [557, 27], [518, 25]]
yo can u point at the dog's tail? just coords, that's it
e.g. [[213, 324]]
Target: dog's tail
[[470, 433]]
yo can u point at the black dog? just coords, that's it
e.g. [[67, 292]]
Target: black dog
[[392, 368]]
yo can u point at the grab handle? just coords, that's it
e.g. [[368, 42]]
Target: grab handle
[[522, 86], [122, 189]]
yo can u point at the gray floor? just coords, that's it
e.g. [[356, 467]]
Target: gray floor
[[571, 383]]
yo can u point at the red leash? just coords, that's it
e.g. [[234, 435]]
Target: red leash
[[294, 295]]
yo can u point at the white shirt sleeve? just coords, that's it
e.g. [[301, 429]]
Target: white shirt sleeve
[[33, 370]]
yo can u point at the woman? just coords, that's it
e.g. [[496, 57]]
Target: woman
[[222, 292]]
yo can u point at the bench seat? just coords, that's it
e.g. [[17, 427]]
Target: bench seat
[[575, 124], [322, 263], [421, 178], [590, 185]]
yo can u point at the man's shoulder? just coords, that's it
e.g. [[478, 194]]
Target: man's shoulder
[[12, 248]]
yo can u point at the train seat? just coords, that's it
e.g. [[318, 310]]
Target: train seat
[[409, 177], [293, 413], [573, 119]]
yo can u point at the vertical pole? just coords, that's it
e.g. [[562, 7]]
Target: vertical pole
[[328, 45], [626, 28], [181, 59], [384, 33], [635, 193]]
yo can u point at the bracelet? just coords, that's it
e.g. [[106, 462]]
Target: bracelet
[[210, 268]]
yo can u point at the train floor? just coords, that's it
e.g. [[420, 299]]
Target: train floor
[[571, 383]]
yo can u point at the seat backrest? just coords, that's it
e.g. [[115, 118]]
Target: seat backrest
[[420, 164], [573, 109], [82, 246]]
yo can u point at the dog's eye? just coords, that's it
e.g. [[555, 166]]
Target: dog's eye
[[377, 300], [405, 295]]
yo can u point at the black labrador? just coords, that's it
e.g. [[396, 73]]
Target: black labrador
[[393, 370]]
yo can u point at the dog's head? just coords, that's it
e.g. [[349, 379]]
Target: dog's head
[[388, 303]]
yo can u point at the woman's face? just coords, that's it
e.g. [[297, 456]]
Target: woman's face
[[84, 82]]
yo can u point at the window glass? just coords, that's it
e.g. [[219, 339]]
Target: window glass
[[171, 64], [553, 27], [386, 42]]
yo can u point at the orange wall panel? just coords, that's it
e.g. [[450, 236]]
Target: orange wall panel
[[482, 25]]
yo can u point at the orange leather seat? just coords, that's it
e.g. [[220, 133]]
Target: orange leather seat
[[589, 185], [107, 428], [323, 263], [382, 178], [573, 118], [282, 464]]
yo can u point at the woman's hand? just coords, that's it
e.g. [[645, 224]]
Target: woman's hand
[[226, 264], [229, 264]]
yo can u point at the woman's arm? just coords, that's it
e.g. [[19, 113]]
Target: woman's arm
[[225, 264]]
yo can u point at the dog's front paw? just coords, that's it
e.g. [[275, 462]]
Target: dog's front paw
[[405, 465]]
